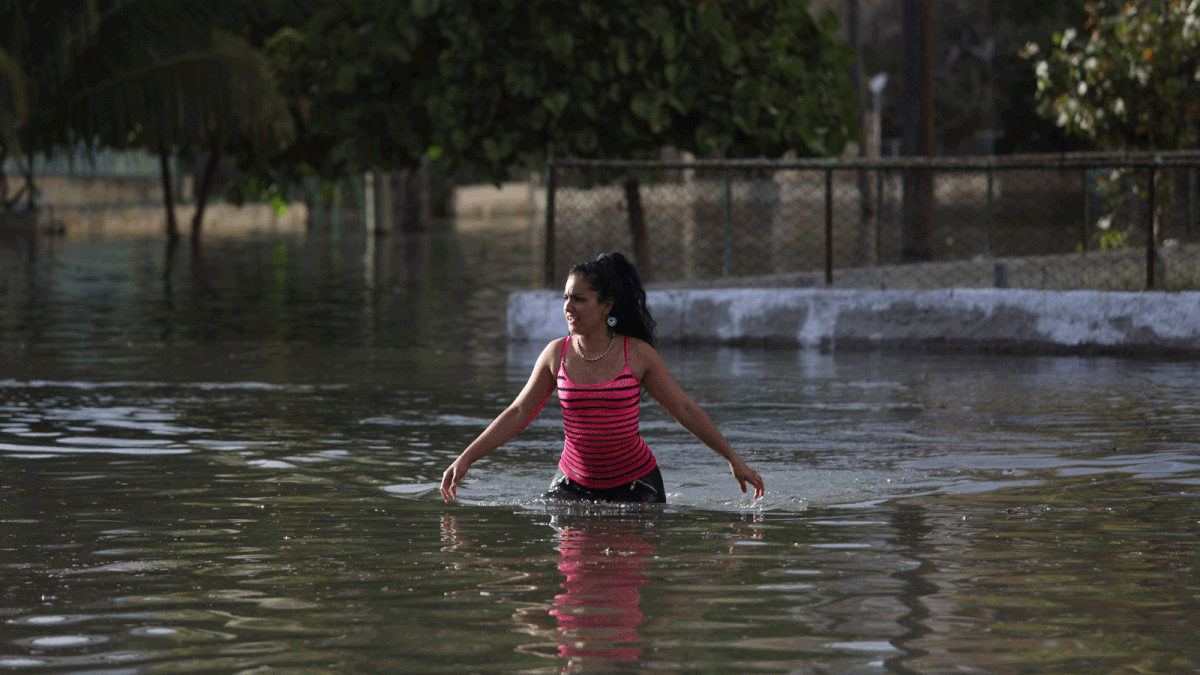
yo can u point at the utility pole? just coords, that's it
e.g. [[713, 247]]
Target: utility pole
[[917, 103]]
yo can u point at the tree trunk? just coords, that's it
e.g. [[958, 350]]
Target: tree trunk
[[168, 194], [3, 178], [202, 190], [28, 187], [637, 230]]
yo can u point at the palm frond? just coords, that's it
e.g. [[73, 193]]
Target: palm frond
[[182, 98], [165, 74]]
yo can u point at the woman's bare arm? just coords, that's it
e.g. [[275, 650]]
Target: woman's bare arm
[[509, 423], [652, 371]]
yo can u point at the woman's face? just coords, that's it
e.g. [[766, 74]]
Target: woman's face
[[582, 307]]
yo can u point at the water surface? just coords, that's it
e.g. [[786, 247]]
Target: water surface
[[230, 465]]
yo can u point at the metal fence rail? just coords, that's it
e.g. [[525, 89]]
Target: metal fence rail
[[1116, 221]]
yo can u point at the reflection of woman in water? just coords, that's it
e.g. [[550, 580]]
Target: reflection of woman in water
[[599, 371], [599, 604]]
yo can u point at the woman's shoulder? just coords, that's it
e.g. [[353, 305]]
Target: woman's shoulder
[[553, 351], [638, 344], [549, 361], [642, 353]]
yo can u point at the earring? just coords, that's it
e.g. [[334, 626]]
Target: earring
[[611, 321]]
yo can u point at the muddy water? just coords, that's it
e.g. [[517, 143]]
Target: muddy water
[[230, 464]]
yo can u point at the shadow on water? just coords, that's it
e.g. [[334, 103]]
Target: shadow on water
[[230, 464]]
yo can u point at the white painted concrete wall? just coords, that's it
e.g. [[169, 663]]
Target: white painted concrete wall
[[1002, 320]]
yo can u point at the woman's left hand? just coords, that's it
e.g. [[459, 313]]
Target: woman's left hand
[[744, 475]]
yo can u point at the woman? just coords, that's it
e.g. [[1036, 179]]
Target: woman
[[599, 370]]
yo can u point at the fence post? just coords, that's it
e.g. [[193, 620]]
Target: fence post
[[880, 176], [1191, 202], [828, 227], [1150, 243], [991, 212], [728, 222], [548, 240], [1087, 211]]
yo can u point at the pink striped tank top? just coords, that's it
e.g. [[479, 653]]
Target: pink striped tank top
[[603, 447]]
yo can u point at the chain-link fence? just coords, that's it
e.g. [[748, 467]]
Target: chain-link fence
[[1050, 222]]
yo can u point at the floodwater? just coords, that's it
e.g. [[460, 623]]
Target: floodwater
[[229, 465]]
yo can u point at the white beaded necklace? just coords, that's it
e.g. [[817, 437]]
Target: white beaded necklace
[[612, 336]]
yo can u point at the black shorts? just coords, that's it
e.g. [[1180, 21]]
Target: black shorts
[[645, 490]]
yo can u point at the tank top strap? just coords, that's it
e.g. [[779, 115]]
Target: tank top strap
[[562, 359], [626, 350]]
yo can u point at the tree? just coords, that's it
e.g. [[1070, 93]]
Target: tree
[[37, 43], [14, 111], [166, 75], [528, 80], [16, 91], [356, 77], [1132, 80], [503, 83]]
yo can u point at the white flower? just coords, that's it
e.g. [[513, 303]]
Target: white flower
[[1118, 106], [1043, 70], [1104, 222], [1091, 63], [1030, 50], [1081, 89], [1068, 35]]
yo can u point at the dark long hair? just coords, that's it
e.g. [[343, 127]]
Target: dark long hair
[[610, 275]]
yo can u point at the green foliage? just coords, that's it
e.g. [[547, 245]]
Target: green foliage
[[356, 76], [386, 84], [184, 83], [622, 79], [1113, 239], [1122, 192], [489, 85], [165, 75], [1131, 80], [33, 40]]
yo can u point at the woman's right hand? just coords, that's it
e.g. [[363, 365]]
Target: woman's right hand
[[452, 477], [508, 423]]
